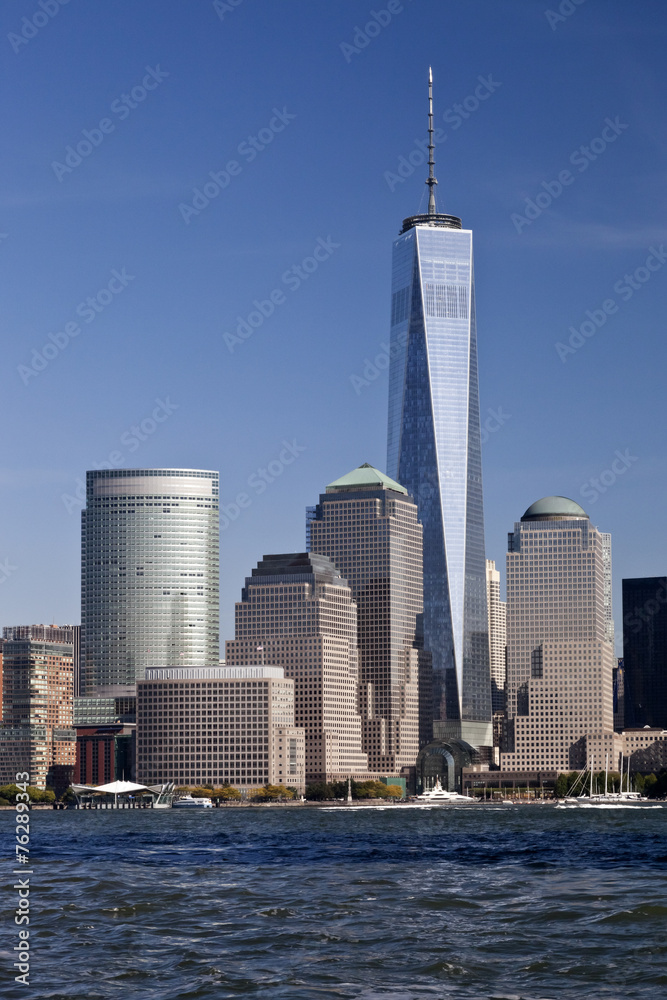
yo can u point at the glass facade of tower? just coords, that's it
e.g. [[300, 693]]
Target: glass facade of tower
[[149, 573], [434, 450]]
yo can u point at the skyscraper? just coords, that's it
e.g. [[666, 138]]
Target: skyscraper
[[367, 525], [297, 610], [559, 659], [645, 651], [434, 451], [149, 574]]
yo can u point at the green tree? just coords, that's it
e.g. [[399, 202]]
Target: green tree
[[202, 792], [226, 794], [273, 793], [319, 791], [10, 792], [394, 792]]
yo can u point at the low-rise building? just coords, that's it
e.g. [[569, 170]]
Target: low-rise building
[[219, 725], [105, 753]]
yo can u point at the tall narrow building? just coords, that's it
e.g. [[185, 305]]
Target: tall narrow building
[[297, 612], [434, 450], [149, 575], [367, 525], [645, 651], [497, 637]]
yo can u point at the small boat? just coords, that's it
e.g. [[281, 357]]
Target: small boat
[[187, 802]]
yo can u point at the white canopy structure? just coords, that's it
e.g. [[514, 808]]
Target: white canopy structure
[[117, 788]]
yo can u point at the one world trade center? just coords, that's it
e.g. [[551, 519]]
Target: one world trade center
[[434, 450]]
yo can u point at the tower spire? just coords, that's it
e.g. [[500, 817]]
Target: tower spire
[[431, 182]]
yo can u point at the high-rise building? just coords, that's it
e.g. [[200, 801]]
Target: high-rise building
[[434, 451], [497, 636], [559, 660], [645, 651], [367, 525], [297, 610], [37, 736], [149, 574], [219, 725]]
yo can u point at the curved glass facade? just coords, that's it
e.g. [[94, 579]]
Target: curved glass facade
[[434, 450], [149, 573]]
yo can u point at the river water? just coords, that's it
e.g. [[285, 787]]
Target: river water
[[398, 903]]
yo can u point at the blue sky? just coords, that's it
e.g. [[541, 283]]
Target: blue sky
[[305, 116]]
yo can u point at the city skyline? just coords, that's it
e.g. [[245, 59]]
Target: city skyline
[[165, 290]]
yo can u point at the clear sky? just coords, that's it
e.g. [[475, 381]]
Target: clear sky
[[311, 122]]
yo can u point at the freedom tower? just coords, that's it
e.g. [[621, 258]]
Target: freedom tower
[[434, 451]]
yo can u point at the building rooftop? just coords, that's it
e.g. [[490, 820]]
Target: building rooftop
[[213, 673], [553, 508], [362, 478]]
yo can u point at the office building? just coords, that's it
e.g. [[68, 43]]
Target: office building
[[619, 696], [105, 711], [105, 754], [367, 525], [497, 610], [297, 610], [645, 651], [219, 725], [559, 661], [149, 574], [434, 451], [37, 736]]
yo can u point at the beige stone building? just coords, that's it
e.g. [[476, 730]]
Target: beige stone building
[[559, 660], [219, 725], [297, 611], [368, 526]]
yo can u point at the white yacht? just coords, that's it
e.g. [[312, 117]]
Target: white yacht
[[187, 802], [438, 796]]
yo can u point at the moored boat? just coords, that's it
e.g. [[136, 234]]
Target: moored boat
[[188, 802]]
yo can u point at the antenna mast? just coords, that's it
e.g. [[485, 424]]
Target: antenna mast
[[431, 182]]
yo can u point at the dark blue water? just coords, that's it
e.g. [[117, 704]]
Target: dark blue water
[[482, 902]]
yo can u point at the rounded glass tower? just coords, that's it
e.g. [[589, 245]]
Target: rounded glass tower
[[149, 573]]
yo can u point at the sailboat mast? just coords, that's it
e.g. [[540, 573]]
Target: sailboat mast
[[606, 772]]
